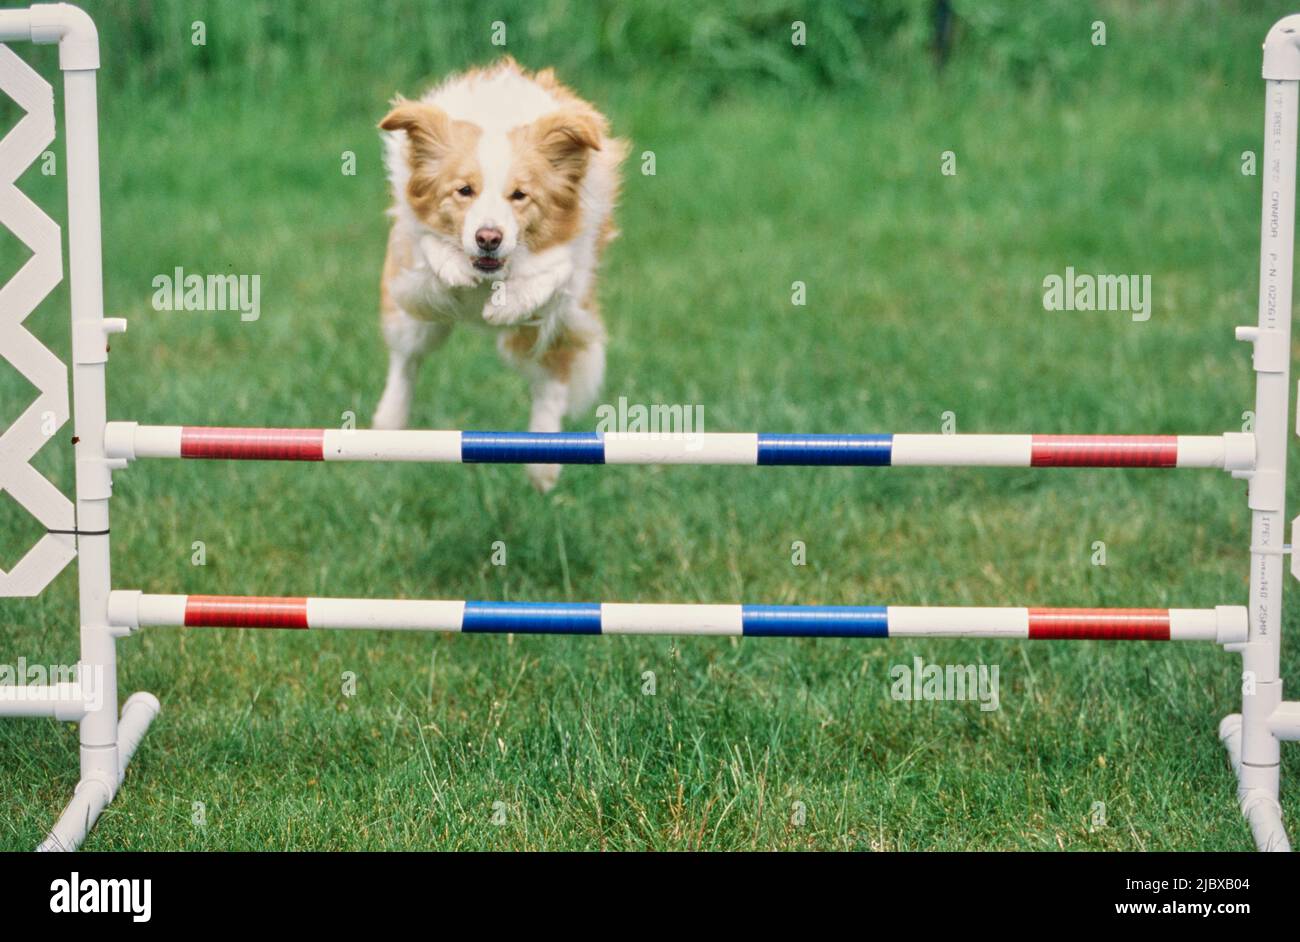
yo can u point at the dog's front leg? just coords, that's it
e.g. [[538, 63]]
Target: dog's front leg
[[408, 339]]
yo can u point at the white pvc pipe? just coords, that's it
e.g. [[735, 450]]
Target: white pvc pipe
[[138, 713], [1284, 723], [1254, 749], [15, 25], [1256, 791], [63, 701], [94, 792], [99, 759], [90, 798]]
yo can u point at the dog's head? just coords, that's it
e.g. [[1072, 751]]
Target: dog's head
[[491, 190]]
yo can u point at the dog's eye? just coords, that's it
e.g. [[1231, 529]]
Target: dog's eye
[[518, 195], [466, 190]]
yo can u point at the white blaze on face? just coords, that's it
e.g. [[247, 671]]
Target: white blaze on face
[[491, 208]]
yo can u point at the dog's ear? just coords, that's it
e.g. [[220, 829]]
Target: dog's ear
[[427, 127], [565, 138]]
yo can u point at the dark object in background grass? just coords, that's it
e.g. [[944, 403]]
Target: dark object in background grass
[[943, 27]]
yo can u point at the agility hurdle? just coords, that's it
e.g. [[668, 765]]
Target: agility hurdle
[[1252, 737]]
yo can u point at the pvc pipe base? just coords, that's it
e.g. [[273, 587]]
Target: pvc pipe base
[[92, 795], [1257, 789]]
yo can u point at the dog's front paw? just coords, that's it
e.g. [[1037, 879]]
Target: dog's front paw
[[457, 273], [501, 311], [543, 476], [448, 265]]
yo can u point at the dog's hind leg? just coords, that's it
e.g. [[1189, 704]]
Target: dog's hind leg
[[408, 339]]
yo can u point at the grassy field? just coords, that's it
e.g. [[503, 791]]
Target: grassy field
[[923, 297]]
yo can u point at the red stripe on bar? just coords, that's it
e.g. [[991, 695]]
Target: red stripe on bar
[[260, 444], [1104, 451], [1105, 624], [244, 611]]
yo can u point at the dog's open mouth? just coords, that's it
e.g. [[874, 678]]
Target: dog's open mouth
[[488, 262]]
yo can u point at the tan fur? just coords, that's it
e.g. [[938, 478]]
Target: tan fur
[[397, 257], [441, 154], [550, 158]]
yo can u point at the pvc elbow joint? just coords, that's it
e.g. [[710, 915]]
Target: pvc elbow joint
[[72, 28], [1282, 50]]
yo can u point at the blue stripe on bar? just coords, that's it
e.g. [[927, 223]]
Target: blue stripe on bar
[[538, 447], [825, 449], [543, 618], [814, 621]]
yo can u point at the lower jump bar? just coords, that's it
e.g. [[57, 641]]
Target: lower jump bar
[[129, 440], [1224, 624]]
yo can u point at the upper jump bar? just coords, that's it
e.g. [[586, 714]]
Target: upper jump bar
[[1225, 624], [1232, 451]]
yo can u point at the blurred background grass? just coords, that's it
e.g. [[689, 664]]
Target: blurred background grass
[[774, 164], [254, 47]]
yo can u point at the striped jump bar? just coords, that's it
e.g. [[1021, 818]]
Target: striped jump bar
[[1224, 624], [1232, 451]]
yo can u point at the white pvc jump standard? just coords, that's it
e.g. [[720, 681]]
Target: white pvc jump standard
[[107, 744]]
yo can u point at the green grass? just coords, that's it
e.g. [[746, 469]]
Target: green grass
[[923, 297]]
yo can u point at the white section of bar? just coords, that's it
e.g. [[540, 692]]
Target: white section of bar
[[130, 440], [63, 701], [1200, 451], [163, 441], [1224, 624], [396, 614], [958, 622], [619, 618], [380, 445], [159, 610], [1193, 624], [1009, 451], [700, 448]]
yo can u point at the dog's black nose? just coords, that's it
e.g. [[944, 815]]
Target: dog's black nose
[[489, 240]]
